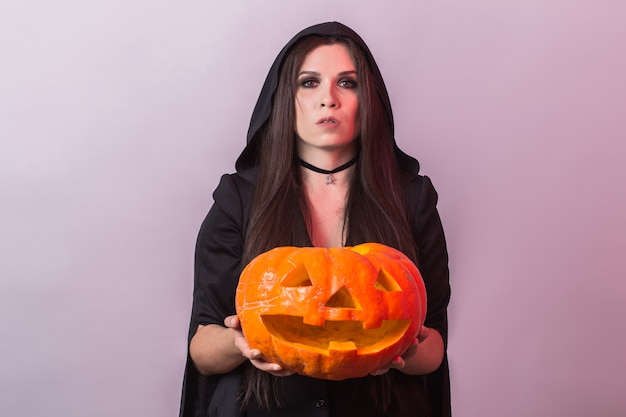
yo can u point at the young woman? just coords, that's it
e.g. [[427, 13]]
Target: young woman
[[321, 168]]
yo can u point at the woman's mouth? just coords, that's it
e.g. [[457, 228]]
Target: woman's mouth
[[328, 121]]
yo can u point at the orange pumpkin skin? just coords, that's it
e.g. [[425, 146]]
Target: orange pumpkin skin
[[331, 313]]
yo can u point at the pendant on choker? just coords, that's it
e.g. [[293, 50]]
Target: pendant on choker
[[330, 180]]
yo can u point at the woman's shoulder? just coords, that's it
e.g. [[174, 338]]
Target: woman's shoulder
[[233, 196], [420, 193], [418, 182], [233, 185]]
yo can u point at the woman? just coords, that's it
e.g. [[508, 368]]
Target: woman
[[321, 168]]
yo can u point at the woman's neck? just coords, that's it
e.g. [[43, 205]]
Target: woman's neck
[[328, 167], [326, 158]]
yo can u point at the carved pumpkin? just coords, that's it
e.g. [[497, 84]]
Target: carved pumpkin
[[331, 313]]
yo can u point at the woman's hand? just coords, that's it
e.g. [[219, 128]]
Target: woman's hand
[[253, 355], [400, 361]]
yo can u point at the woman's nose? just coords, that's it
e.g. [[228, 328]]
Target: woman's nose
[[329, 98]]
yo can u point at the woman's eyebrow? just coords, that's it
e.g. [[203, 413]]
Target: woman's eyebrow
[[308, 73], [315, 73]]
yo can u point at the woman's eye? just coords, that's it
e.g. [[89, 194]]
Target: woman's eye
[[308, 83], [349, 83]]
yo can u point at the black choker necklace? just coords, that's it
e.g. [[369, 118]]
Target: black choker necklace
[[330, 180]]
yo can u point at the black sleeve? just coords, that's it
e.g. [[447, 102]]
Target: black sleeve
[[218, 255], [433, 265], [432, 256], [217, 267]]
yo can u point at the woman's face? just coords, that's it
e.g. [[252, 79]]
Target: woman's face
[[326, 100]]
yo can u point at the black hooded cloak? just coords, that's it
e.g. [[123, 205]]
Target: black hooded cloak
[[217, 268]]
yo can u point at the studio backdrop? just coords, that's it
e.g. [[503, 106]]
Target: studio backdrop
[[117, 119]]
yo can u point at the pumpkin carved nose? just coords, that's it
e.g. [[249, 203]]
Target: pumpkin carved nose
[[342, 299]]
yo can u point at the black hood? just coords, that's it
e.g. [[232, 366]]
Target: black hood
[[262, 109]]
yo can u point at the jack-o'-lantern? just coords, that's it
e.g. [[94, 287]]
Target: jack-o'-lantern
[[331, 313]]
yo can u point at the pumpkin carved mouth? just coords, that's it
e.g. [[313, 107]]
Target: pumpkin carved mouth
[[335, 335]]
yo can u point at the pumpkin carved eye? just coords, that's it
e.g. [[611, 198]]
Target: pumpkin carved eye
[[331, 313], [385, 282], [298, 277]]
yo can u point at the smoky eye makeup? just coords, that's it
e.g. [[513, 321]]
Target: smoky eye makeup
[[307, 82], [348, 82], [311, 79]]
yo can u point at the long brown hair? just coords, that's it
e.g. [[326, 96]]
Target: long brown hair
[[375, 207]]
